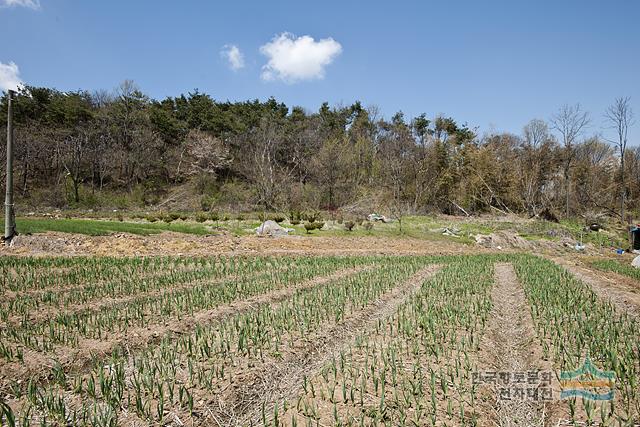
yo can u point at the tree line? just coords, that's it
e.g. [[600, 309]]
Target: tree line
[[74, 148]]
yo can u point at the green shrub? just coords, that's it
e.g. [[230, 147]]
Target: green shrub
[[295, 217], [315, 225], [278, 218], [311, 216], [201, 217], [207, 202]]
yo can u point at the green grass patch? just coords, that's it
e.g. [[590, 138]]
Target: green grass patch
[[101, 228]]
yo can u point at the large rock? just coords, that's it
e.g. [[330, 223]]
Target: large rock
[[636, 262], [271, 228]]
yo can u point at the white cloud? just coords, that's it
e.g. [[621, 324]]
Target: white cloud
[[234, 57], [294, 59], [31, 4], [9, 76]]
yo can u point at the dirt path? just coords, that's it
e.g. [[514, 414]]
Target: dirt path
[[282, 380], [176, 244], [510, 346], [623, 292], [39, 364]]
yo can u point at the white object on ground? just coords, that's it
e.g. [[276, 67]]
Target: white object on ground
[[272, 228]]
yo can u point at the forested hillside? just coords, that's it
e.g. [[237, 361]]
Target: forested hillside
[[124, 149]]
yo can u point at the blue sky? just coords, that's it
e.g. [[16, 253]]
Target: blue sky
[[492, 64]]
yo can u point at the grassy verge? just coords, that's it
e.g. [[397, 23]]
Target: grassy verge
[[418, 227], [101, 228]]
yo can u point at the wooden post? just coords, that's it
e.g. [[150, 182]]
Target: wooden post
[[9, 218]]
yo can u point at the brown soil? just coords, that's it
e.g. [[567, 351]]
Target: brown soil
[[510, 345], [56, 244], [622, 291], [282, 379]]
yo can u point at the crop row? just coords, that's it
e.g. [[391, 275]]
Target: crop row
[[129, 283], [415, 368], [175, 374], [29, 274], [617, 267], [572, 323], [68, 328]]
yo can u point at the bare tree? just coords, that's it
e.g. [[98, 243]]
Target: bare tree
[[535, 157], [395, 151], [620, 117], [262, 147], [74, 147], [206, 154], [570, 122], [535, 133]]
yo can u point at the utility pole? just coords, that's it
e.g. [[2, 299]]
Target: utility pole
[[9, 217]]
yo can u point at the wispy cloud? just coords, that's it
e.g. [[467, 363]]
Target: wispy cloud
[[9, 76], [294, 59], [234, 57], [31, 4]]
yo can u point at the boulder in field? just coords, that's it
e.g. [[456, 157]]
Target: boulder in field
[[271, 228]]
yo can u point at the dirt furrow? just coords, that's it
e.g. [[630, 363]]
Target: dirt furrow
[[509, 347], [80, 358], [282, 379], [609, 286]]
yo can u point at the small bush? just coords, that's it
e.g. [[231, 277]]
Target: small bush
[[310, 226], [349, 225], [214, 216], [294, 215], [311, 216], [151, 218], [201, 217], [367, 225], [278, 218], [207, 202]]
